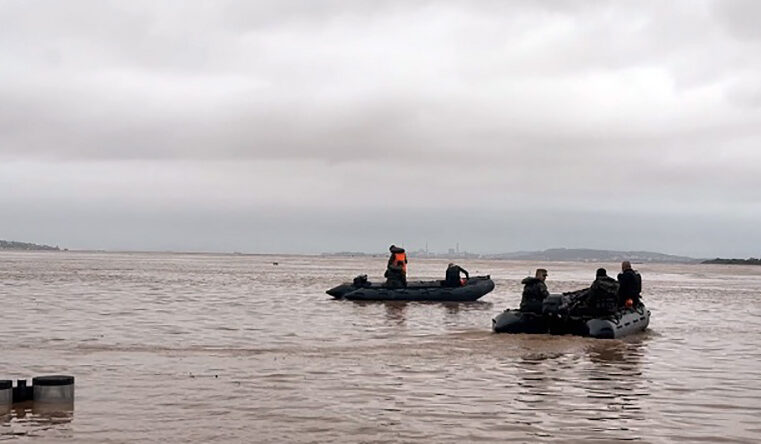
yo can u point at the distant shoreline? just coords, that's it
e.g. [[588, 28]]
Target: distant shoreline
[[720, 261], [717, 261], [551, 255], [25, 246]]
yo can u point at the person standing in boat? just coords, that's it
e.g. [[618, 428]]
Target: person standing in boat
[[453, 275], [534, 292], [396, 270], [629, 286]]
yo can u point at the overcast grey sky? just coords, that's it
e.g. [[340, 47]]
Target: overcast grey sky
[[310, 126]]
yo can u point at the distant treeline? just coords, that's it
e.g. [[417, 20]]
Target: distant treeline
[[26, 246], [751, 261]]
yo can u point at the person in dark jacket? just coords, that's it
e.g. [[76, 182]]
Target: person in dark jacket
[[534, 292], [396, 269], [629, 286], [603, 294], [453, 275]]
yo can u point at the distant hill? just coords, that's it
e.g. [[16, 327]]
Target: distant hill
[[553, 254], [25, 246], [751, 261], [589, 255]]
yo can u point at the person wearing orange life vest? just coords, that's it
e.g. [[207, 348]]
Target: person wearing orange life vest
[[396, 270]]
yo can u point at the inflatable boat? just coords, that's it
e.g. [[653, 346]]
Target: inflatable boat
[[557, 319], [363, 290]]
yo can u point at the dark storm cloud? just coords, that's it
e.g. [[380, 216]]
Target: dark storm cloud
[[497, 105]]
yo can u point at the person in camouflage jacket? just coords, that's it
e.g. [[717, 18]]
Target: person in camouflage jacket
[[534, 292]]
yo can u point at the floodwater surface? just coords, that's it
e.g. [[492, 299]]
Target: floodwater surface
[[234, 348]]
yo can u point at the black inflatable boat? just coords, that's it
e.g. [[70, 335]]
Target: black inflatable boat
[[556, 320], [362, 290]]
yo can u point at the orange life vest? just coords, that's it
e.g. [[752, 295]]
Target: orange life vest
[[400, 259]]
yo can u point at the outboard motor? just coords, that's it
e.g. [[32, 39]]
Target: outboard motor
[[346, 288], [553, 304], [361, 281], [560, 310]]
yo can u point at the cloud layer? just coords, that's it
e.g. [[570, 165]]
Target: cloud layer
[[511, 109]]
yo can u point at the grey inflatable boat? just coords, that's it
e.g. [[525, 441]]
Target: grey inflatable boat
[[362, 290], [555, 319]]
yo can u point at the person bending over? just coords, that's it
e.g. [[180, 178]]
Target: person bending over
[[453, 275]]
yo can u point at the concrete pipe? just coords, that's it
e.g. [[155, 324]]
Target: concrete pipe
[[58, 389], [6, 394]]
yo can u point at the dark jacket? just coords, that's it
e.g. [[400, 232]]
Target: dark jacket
[[395, 277], [453, 276], [603, 295], [629, 286], [534, 293]]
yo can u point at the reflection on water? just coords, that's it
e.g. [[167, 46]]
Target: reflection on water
[[227, 348], [616, 380], [54, 413], [582, 395], [395, 311], [37, 420]]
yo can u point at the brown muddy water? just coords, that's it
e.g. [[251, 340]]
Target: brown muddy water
[[224, 348]]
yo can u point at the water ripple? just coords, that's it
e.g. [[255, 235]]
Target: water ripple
[[233, 348]]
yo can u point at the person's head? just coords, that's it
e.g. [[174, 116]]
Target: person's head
[[626, 265], [601, 272], [450, 265], [392, 247], [541, 273]]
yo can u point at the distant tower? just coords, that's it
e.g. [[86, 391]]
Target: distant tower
[[457, 248], [426, 248]]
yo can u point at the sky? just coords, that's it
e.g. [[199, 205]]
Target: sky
[[321, 126]]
